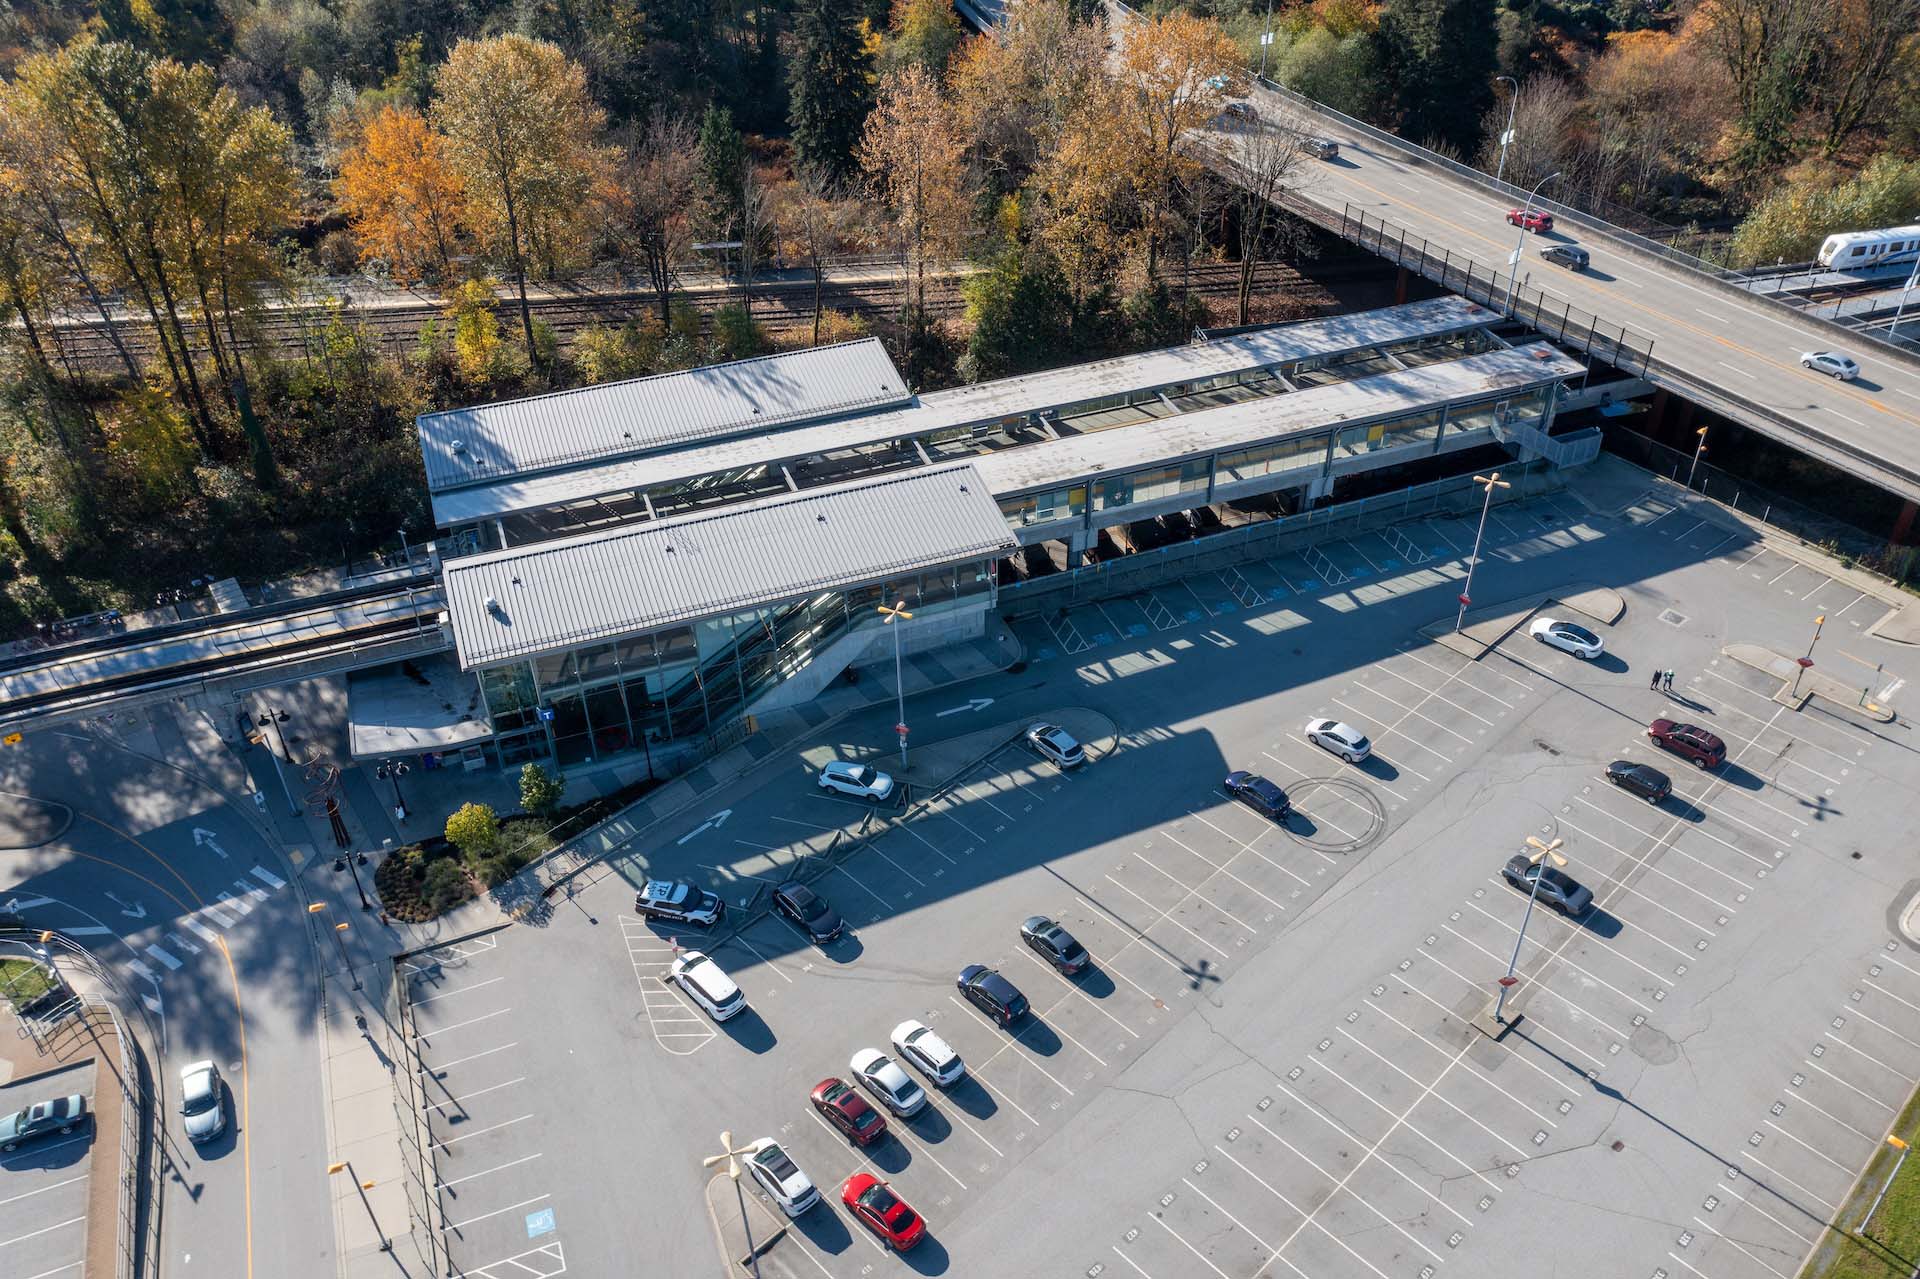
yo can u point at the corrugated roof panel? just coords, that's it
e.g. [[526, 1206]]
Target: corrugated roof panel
[[1190, 435], [620, 419], [985, 401], [626, 581]]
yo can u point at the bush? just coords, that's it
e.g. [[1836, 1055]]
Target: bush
[[540, 790], [735, 334], [446, 885], [474, 830]]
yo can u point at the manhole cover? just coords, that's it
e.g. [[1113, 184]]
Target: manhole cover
[[1672, 618]]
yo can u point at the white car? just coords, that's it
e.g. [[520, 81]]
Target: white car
[[1344, 740], [1565, 636], [862, 781], [1056, 745], [707, 984], [1832, 363], [881, 1075], [931, 1055], [780, 1177], [203, 1111]]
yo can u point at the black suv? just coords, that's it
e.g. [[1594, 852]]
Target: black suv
[[1643, 780], [808, 910], [992, 994], [1259, 794], [679, 902], [1570, 256]]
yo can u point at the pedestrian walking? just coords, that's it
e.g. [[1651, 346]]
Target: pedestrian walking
[[1654, 683], [1666, 682]]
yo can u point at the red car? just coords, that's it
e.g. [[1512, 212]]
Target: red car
[[1688, 742], [881, 1211], [848, 1111], [1531, 219]]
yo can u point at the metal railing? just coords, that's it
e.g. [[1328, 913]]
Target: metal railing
[[1552, 316], [1455, 495], [409, 1102]]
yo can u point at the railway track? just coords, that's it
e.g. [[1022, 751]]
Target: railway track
[[781, 306]]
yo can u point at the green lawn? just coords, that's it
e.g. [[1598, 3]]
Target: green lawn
[[22, 981], [1891, 1247]]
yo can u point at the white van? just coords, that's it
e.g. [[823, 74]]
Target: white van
[[707, 984]]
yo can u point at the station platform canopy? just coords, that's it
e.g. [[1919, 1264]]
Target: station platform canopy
[[638, 578]]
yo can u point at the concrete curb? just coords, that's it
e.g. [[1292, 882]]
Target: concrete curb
[[1811, 685], [1483, 630]]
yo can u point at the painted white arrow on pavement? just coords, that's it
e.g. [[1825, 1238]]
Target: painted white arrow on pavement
[[714, 822], [974, 704], [25, 903], [132, 910], [202, 837]]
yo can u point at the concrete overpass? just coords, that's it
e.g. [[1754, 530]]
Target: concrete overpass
[[1683, 325]]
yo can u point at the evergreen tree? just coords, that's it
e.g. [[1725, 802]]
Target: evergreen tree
[[1439, 60], [832, 85], [723, 169]]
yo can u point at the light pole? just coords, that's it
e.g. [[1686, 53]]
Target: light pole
[[1698, 450], [729, 1155], [894, 613], [392, 771], [346, 1166], [1266, 39], [1519, 248], [1490, 483], [1541, 853], [272, 719], [1913, 277], [1506, 136], [406, 552], [1818, 624]]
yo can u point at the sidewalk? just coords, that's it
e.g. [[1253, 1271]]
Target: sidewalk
[[90, 1037], [364, 1124]]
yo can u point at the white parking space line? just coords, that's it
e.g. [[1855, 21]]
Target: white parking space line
[[1177, 882], [456, 990], [1895, 1071], [505, 1123], [1437, 1096], [1725, 1189], [1400, 1121], [738, 939], [1401, 979], [967, 787], [431, 1031], [1725, 1239], [1816, 1151], [463, 1098], [1804, 728], [438, 1067], [44, 1230], [1420, 688], [1479, 988], [1166, 914], [473, 1176], [1506, 1094], [1247, 846], [1134, 934], [458, 1225], [1130, 1261], [973, 1072], [42, 1190], [1220, 868], [941, 806], [1408, 712], [1870, 983], [1069, 1038], [1155, 1218], [1086, 998], [938, 851], [57, 1270], [1360, 1199], [1692, 1269], [1007, 1041], [1731, 878], [1545, 955], [1800, 1098], [1752, 1158], [862, 885], [1552, 917], [1850, 1087], [1440, 670], [1700, 802], [1883, 1026], [899, 1130], [1309, 1108], [1238, 1224]]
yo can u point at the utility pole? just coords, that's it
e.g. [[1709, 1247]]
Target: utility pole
[[1541, 853], [1819, 623], [1698, 450], [272, 720], [1490, 483], [895, 613]]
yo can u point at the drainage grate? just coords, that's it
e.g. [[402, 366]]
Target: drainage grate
[[1672, 618]]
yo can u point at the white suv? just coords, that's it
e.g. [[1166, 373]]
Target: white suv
[[863, 781], [931, 1055], [707, 984]]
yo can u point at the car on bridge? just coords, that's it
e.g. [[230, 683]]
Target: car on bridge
[[1530, 219], [1570, 256], [1832, 363], [1321, 148]]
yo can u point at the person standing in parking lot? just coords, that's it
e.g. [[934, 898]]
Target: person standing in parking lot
[[1654, 683], [1666, 682]]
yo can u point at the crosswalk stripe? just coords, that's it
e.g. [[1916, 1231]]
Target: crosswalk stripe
[[183, 943], [239, 904], [88, 930], [200, 930], [252, 890], [164, 957], [268, 878], [143, 970]]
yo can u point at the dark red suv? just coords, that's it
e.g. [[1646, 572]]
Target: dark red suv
[[1531, 219], [848, 1111], [1688, 742]]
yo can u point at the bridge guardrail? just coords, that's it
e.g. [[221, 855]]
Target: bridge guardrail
[[1719, 277], [1617, 345]]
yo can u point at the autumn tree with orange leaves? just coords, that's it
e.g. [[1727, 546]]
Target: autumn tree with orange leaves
[[404, 201]]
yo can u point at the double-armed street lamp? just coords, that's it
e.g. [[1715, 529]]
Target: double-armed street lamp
[[1540, 856]]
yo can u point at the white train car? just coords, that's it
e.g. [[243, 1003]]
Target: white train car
[[1851, 250]]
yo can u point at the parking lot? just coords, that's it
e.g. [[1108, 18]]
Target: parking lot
[[1269, 1067], [43, 1187]]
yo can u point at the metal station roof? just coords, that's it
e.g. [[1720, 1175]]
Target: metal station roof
[[1184, 436], [627, 581], [596, 423], [968, 405]]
